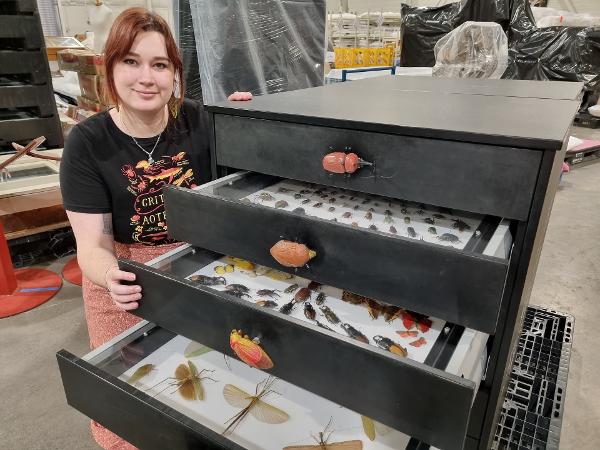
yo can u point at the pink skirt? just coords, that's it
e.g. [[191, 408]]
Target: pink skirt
[[105, 321]]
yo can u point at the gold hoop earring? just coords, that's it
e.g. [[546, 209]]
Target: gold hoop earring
[[174, 106]]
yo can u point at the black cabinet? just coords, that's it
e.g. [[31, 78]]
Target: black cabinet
[[446, 220]]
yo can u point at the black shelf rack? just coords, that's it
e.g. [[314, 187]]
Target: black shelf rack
[[27, 107], [532, 412]]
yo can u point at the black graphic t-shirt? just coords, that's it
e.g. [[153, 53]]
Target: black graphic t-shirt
[[103, 170]]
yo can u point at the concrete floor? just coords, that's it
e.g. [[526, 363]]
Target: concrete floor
[[36, 416]]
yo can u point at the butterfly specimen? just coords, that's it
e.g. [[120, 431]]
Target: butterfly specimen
[[249, 351], [253, 404]]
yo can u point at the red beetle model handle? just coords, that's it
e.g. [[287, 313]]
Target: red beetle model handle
[[340, 162]]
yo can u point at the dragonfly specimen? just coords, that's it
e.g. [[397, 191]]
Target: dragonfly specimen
[[188, 381], [253, 404], [322, 442]]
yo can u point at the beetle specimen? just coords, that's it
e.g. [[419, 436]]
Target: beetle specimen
[[291, 288], [407, 220], [331, 209], [355, 207], [354, 333], [299, 211], [429, 220], [266, 303], [355, 224], [432, 230], [388, 219], [320, 298], [387, 212], [330, 315], [438, 216], [404, 211], [411, 232], [366, 201], [265, 197], [237, 287], [390, 346], [393, 229], [297, 196], [420, 212], [372, 227], [309, 311], [305, 201], [281, 204], [317, 205], [305, 191], [347, 215], [253, 404], [322, 325], [314, 286], [342, 196], [461, 225], [369, 215], [207, 281], [249, 351], [302, 295], [449, 237], [268, 293], [287, 308], [331, 200]]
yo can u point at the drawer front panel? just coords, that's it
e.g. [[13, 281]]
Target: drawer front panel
[[461, 288], [471, 177], [133, 415], [408, 396]]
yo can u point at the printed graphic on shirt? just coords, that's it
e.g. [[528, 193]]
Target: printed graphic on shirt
[[145, 184]]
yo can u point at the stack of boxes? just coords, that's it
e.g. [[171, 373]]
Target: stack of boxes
[[90, 71]]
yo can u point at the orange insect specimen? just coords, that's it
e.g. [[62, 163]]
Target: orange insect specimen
[[249, 351], [291, 254], [419, 342], [407, 334]]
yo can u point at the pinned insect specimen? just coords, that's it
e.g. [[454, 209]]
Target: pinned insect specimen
[[332, 200], [419, 342], [249, 350], [355, 207], [224, 269], [420, 212], [370, 427], [374, 309], [281, 204], [372, 227], [317, 205], [322, 325], [291, 288], [393, 230], [207, 281], [412, 320], [369, 215], [320, 298], [242, 264], [291, 254], [353, 298], [278, 275], [299, 211], [140, 373], [297, 196], [354, 333], [389, 345], [460, 225], [355, 224], [429, 220], [347, 215], [366, 201], [188, 381], [439, 216], [404, 211], [411, 232], [195, 349], [387, 212], [372, 209], [305, 191], [265, 197], [331, 209], [432, 230], [309, 311], [391, 313], [388, 219], [287, 308], [268, 293], [305, 201], [314, 286], [407, 334], [449, 237], [266, 303], [284, 190], [352, 198], [330, 315], [253, 404], [406, 220], [323, 443], [237, 287], [302, 295]]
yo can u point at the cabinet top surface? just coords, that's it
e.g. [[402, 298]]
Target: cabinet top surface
[[501, 112]]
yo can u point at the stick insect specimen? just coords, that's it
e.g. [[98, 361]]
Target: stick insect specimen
[[323, 442], [253, 404]]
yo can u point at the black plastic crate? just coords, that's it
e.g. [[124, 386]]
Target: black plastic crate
[[10, 7], [531, 415], [22, 96], [28, 67], [21, 32]]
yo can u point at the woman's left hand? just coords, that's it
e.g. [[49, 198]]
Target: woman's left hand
[[240, 96]]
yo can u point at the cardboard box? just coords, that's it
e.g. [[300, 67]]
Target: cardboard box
[[82, 61], [92, 87]]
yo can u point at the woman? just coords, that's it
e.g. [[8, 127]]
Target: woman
[[115, 164]]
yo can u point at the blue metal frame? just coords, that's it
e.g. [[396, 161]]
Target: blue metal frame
[[345, 72]]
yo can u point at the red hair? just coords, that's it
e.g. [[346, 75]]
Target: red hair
[[124, 31]]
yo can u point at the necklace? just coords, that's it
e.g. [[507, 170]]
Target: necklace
[[130, 134]]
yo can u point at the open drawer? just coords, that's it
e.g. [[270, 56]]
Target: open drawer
[[439, 262], [410, 394], [151, 414]]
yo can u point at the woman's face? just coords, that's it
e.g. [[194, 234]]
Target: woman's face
[[144, 78]]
